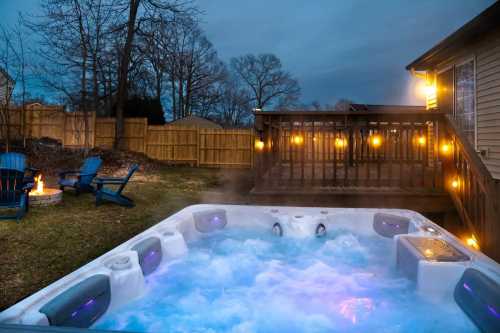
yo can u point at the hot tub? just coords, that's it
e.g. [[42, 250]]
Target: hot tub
[[221, 268]]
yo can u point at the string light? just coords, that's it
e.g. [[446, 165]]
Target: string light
[[376, 141], [340, 143], [297, 139], [472, 242], [446, 148], [259, 144]]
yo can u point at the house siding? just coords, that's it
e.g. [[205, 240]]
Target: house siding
[[488, 103], [486, 54]]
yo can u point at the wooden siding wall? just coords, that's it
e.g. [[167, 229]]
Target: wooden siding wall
[[231, 148], [488, 105], [486, 54]]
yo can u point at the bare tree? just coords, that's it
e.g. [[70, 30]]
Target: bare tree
[[235, 104], [267, 81], [139, 12], [192, 68], [12, 70], [65, 33]]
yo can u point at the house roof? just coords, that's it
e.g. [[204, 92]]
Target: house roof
[[387, 108], [354, 109], [195, 121], [474, 30]]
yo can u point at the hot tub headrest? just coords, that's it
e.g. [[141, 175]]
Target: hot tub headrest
[[389, 225], [150, 254], [210, 220], [479, 298], [81, 305]]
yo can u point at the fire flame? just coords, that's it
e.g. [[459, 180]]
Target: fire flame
[[39, 185]]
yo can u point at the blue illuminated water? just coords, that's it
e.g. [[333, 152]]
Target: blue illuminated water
[[249, 281]]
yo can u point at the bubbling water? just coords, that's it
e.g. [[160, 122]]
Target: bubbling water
[[248, 281]]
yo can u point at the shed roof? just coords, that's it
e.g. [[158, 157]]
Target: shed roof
[[471, 32], [195, 121]]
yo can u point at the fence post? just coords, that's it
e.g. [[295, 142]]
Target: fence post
[[252, 150], [198, 145], [93, 128], [145, 137], [63, 141]]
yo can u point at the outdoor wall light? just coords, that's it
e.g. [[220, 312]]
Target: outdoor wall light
[[430, 90], [455, 183], [421, 140]]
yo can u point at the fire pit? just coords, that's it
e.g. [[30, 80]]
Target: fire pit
[[42, 196]]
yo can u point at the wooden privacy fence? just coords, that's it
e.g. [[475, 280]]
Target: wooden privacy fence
[[178, 144], [173, 144], [73, 129]]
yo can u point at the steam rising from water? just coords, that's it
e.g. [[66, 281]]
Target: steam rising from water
[[250, 282]]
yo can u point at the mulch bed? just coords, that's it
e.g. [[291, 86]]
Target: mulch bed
[[51, 157]]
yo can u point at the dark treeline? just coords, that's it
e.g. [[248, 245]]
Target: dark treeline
[[98, 55]]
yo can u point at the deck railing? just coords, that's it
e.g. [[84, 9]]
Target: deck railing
[[349, 149], [475, 193], [413, 152]]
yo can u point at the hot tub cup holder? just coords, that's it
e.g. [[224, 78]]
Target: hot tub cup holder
[[120, 263], [173, 243]]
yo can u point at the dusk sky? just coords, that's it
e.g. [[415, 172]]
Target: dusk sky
[[355, 49]]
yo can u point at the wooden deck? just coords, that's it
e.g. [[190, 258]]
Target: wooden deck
[[416, 177], [385, 159]]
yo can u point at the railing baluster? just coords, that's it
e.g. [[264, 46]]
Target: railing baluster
[[356, 155], [334, 156], [314, 140], [400, 144], [290, 143], [346, 156], [323, 131]]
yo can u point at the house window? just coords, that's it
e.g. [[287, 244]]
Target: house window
[[465, 109]]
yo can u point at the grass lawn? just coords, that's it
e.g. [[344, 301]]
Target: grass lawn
[[54, 241]]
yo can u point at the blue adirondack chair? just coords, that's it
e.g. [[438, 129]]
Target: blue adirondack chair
[[81, 180], [17, 161], [116, 196], [14, 193]]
